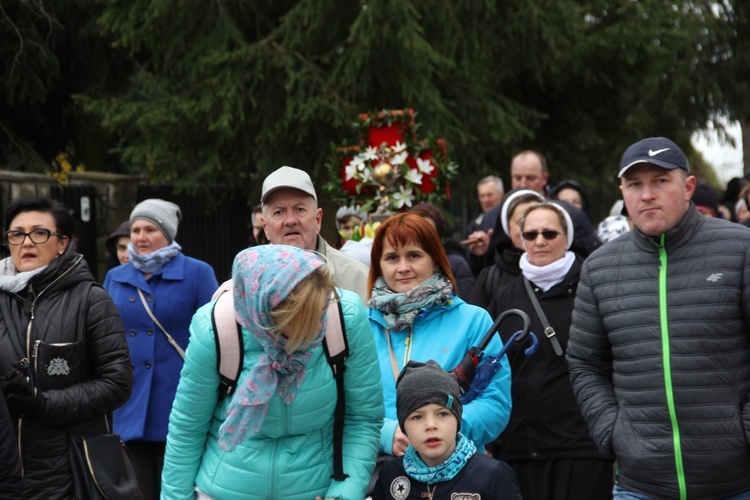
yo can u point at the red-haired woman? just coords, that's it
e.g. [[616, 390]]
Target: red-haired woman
[[416, 315]]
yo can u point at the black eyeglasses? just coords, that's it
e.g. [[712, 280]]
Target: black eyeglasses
[[547, 234], [37, 236]]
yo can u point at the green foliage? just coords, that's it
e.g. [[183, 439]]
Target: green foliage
[[195, 92]]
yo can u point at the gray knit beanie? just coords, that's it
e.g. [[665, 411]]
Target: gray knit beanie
[[164, 214], [420, 384]]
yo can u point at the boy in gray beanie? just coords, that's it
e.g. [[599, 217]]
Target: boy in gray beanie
[[163, 214], [440, 462]]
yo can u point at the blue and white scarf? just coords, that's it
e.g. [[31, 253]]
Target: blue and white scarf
[[154, 261]]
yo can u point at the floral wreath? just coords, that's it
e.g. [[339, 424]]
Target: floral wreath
[[390, 169]]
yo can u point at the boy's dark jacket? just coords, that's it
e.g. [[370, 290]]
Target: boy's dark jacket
[[481, 478]]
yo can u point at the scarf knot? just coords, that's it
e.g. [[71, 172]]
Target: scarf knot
[[263, 277]]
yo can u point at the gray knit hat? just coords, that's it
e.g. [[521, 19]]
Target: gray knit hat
[[420, 384], [164, 214]]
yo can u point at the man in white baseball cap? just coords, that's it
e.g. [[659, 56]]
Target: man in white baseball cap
[[291, 216]]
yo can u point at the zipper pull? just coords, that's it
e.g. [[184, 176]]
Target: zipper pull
[[36, 348]]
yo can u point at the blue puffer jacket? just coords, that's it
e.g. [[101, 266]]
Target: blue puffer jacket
[[445, 334], [292, 455]]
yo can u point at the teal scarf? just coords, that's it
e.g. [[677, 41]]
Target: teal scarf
[[416, 469], [400, 309]]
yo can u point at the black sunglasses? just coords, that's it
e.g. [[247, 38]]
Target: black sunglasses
[[547, 234]]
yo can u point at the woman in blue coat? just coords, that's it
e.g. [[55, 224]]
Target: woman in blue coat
[[158, 280], [273, 438], [416, 315]]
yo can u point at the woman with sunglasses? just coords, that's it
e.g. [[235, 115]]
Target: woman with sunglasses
[[547, 441], [62, 345]]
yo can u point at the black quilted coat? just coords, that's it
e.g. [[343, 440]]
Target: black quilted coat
[[68, 328], [659, 356]]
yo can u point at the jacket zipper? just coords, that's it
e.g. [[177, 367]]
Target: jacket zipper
[[664, 323], [35, 357], [31, 312], [274, 458], [36, 346]]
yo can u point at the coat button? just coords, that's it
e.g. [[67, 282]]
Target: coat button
[[131, 299], [132, 333], [150, 298], [149, 331], [148, 364]]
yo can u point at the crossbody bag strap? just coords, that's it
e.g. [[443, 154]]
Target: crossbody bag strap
[[172, 341], [549, 332], [394, 363]]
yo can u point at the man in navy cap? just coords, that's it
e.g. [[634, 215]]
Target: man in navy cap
[[659, 349]]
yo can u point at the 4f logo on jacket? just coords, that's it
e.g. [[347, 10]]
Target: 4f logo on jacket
[[715, 277]]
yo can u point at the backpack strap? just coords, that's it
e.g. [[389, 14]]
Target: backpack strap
[[230, 351], [336, 347]]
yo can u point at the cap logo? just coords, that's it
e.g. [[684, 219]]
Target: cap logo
[[449, 404], [651, 152]]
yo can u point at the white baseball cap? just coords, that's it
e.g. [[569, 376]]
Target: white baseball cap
[[287, 177]]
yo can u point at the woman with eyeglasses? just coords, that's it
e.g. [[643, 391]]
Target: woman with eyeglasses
[[62, 345], [157, 292], [416, 314], [547, 441]]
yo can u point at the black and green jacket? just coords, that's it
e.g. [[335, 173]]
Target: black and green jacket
[[659, 356]]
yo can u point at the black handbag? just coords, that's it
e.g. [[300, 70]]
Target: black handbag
[[101, 468]]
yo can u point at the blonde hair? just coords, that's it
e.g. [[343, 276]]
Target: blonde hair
[[301, 311]]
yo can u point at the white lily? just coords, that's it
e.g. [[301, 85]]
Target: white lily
[[351, 169], [425, 166], [402, 197], [400, 147], [366, 176], [370, 154], [413, 176], [399, 158]]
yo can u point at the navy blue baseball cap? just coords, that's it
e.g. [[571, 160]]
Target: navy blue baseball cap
[[658, 151]]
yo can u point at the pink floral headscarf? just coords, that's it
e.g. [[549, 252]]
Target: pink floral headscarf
[[263, 277]]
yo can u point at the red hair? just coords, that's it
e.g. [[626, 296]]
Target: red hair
[[403, 229]]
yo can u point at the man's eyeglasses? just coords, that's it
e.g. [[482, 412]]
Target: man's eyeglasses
[[547, 235], [37, 236]]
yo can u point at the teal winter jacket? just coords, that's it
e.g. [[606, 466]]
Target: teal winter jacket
[[445, 334], [291, 457]]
